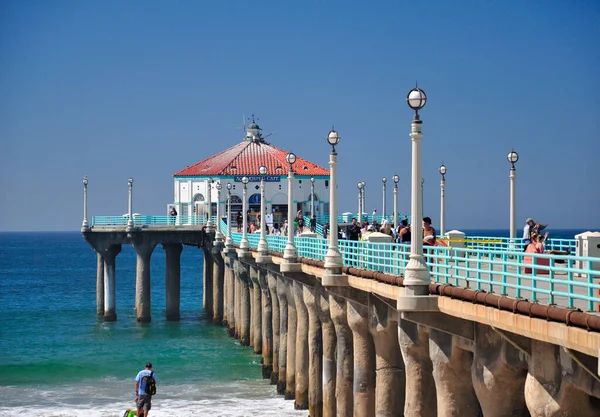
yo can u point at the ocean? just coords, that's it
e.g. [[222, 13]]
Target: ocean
[[58, 359]]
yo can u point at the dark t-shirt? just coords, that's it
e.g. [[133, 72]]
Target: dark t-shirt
[[352, 232]]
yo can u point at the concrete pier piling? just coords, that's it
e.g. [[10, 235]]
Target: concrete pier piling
[[452, 374], [173, 279], [315, 351], [301, 347], [283, 334], [420, 386], [110, 290], [99, 284], [257, 315], [364, 360], [266, 324], [143, 246], [207, 293], [244, 279], [329, 351], [275, 326], [218, 275], [290, 380], [390, 378], [345, 357]]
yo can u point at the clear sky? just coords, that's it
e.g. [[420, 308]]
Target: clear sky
[[112, 89]]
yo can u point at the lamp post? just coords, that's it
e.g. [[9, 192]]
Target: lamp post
[[359, 186], [290, 255], [396, 178], [513, 157], [416, 277], [84, 225], [442, 200], [312, 197], [218, 236], [130, 219], [244, 244], [362, 196], [333, 258], [209, 222], [263, 247], [229, 240], [383, 180]]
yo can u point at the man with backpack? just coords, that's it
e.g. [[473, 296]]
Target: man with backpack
[[145, 388]]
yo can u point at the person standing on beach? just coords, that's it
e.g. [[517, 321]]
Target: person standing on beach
[[143, 401]]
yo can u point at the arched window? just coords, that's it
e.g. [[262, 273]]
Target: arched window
[[198, 197]]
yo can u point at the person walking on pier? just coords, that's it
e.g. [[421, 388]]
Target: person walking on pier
[[143, 398], [240, 221], [313, 223]]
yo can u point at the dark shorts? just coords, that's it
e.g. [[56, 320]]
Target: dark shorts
[[144, 402]]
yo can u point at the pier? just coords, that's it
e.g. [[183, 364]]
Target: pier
[[493, 339]]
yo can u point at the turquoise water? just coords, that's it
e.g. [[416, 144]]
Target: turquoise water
[[58, 357]]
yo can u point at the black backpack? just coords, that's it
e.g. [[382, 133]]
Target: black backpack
[[149, 384]]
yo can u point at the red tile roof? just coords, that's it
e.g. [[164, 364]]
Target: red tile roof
[[245, 158]]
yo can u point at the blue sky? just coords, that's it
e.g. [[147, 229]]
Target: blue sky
[[115, 89]]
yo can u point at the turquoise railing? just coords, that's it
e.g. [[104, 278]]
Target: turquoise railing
[[139, 220], [568, 280], [347, 218]]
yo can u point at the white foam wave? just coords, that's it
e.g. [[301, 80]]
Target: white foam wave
[[237, 399]]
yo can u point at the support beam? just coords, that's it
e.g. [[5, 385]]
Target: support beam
[[173, 279], [442, 322]]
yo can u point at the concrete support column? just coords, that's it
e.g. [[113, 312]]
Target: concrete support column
[[143, 247], [329, 347], [315, 351], [173, 279], [267, 323], [345, 357], [99, 284], [243, 280], [364, 360], [110, 273], [218, 282], [275, 326], [557, 386], [301, 348], [290, 380], [499, 371], [231, 299], [238, 301], [452, 374], [420, 385], [390, 378], [207, 294], [256, 311], [283, 334], [226, 270], [251, 293]]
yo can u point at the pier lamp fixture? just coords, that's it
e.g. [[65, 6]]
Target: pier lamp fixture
[[333, 258], [229, 240], [513, 157], [218, 236], [290, 254], [209, 222], [384, 181], [442, 200], [362, 196], [396, 178], [263, 247], [416, 277], [85, 225], [244, 244], [359, 186], [130, 215], [312, 197]]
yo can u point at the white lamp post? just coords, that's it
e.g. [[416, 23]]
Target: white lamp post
[[396, 178], [130, 219], [513, 157], [218, 236], [209, 222], [312, 197], [383, 180], [244, 244], [290, 255], [443, 200], [229, 240], [84, 225], [363, 186], [333, 258], [263, 247], [416, 277], [359, 186]]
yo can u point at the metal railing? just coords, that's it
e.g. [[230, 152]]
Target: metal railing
[[567, 280]]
